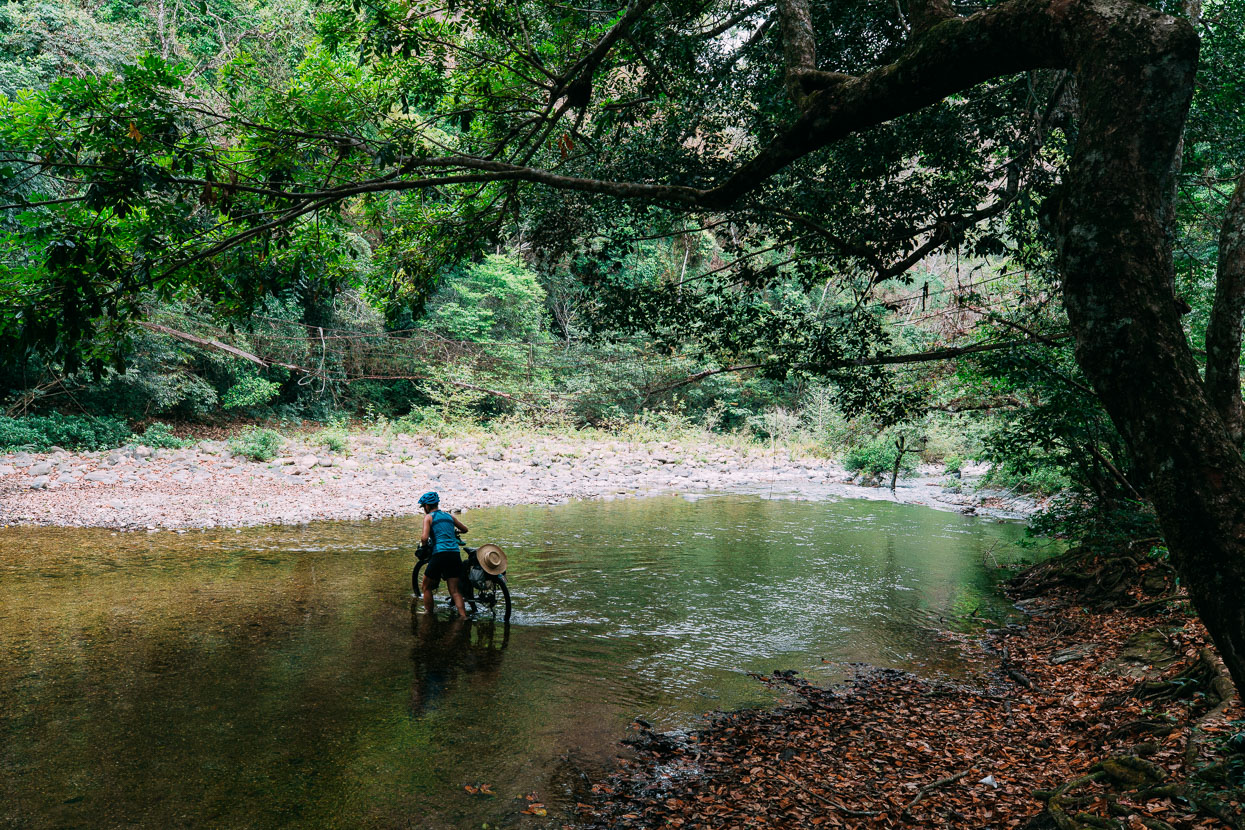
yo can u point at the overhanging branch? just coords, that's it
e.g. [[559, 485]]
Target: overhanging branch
[[931, 356]]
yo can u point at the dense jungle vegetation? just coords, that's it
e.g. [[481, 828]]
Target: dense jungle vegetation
[[687, 215]]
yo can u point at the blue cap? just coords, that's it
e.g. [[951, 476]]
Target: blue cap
[[430, 497]]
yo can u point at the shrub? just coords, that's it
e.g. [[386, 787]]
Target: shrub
[[159, 435], [251, 390], [952, 464], [878, 456], [16, 435], [71, 432], [1090, 522], [256, 444], [1037, 480], [775, 424], [335, 438]]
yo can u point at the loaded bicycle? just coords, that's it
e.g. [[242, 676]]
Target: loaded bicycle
[[482, 578]]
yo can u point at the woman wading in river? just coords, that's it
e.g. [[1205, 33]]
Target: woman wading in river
[[442, 529]]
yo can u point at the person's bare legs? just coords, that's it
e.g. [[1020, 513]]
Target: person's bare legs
[[458, 598], [427, 586]]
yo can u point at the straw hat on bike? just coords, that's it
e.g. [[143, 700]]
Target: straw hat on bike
[[492, 559]]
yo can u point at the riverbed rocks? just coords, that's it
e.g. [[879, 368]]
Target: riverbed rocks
[[384, 475]]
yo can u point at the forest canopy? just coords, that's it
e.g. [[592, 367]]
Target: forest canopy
[[726, 192]]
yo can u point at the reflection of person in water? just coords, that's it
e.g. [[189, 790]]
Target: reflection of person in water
[[446, 650]]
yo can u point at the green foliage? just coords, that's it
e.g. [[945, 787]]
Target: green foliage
[[454, 403], [775, 423], [654, 425], [1108, 528], [161, 377], [335, 438], [70, 432], [952, 464], [42, 40], [497, 299], [160, 436], [1038, 479], [250, 390], [129, 202], [878, 457], [256, 444], [1062, 438]]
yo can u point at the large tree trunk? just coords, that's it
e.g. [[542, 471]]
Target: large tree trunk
[[1135, 70], [1135, 84]]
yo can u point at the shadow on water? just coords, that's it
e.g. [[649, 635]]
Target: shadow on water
[[283, 677], [446, 649]]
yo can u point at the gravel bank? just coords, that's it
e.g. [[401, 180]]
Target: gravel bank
[[137, 488]]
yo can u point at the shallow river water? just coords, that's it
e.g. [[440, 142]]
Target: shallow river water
[[277, 677]]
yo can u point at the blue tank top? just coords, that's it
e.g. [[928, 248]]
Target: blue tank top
[[443, 536]]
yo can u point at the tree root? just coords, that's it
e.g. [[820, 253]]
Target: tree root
[[1206, 673], [1220, 688], [1094, 579], [1126, 771], [929, 788], [830, 802], [1157, 728], [1153, 603]]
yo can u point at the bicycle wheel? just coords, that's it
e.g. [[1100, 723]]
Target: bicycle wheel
[[416, 574], [495, 595]]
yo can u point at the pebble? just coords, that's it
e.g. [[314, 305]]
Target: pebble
[[382, 476]]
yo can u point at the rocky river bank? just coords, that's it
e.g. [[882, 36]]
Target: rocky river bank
[[207, 485]]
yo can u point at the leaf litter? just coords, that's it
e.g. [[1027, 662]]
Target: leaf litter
[[1052, 734]]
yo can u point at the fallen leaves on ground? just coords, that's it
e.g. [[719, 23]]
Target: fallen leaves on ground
[[891, 750]]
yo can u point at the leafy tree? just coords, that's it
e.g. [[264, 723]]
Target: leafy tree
[[42, 40], [859, 138], [497, 299]]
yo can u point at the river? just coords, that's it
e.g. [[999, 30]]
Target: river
[[278, 677]]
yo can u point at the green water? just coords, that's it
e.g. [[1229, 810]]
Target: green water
[[278, 678]]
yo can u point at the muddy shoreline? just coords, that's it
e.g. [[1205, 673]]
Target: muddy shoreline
[[139, 488], [1079, 719]]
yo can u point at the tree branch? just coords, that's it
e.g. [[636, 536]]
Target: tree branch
[[732, 21], [924, 15], [857, 362], [799, 49], [952, 56]]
